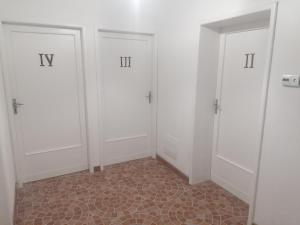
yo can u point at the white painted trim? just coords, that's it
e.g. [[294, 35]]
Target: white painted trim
[[8, 90], [154, 127], [270, 47], [218, 92], [246, 30], [125, 32], [127, 158], [125, 138], [37, 24], [123, 38], [84, 68], [5, 62], [260, 8], [234, 164], [154, 113], [53, 150], [54, 173], [100, 99]]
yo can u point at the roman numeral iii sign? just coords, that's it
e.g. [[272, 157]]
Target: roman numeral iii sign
[[46, 58], [125, 62], [249, 60]]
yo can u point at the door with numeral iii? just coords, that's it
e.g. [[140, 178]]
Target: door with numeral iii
[[127, 98], [46, 94], [238, 108]]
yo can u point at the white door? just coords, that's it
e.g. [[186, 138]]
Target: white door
[[46, 77], [238, 121], [127, 96]]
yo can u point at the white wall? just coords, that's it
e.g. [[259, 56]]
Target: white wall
[[5, 219], [177, 23], [7, 169], [201, 158], [278, 200], [5, 210]]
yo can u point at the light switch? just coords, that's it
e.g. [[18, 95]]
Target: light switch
[[291, 80]]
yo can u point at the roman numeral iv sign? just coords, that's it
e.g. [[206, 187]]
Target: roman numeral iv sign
[[249, 60], [125, 62], [46, 58]]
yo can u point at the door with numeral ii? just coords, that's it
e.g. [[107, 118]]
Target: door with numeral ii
[[238, 108], [127, 98], [46, 94]]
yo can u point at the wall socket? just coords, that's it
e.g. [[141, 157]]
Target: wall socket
[[289, 80]]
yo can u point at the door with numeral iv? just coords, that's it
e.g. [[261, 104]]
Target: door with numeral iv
[[238, 110], [46, 92], [126, 68]]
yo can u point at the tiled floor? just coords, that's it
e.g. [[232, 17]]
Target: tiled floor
[[141, 192]]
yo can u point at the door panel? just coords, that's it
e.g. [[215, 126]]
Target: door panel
[[47, 77], [126, 68], [238, 121]]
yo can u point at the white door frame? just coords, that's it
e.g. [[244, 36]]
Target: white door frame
[[8, 91], [100, 77], [267, 74], [215, 26]]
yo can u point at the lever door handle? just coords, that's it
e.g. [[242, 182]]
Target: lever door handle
[[149, 96], [217, 106], [15, 105]]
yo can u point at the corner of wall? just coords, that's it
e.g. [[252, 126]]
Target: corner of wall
[[7, 166]]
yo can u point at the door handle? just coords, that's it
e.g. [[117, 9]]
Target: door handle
[[217, 106], [15, 105], [149, 96]]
